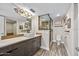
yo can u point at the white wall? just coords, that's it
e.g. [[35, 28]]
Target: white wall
[[45, 39], [71, 42], [75, 28], [69, 36]]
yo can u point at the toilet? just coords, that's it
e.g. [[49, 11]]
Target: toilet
[[58, 39]]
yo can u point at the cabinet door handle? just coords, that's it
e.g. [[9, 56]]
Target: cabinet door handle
[[12, 50], [7, 53]]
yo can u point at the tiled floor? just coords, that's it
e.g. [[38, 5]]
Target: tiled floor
[[55, 50]]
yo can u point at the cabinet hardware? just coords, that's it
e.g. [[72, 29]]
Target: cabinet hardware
[[12, 50]]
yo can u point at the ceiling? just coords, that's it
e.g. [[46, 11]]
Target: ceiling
[[7, 9], [54, 9]]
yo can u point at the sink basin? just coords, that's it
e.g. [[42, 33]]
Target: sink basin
[[29, 35]]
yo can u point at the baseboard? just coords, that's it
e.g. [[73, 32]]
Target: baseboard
[[44, 48]]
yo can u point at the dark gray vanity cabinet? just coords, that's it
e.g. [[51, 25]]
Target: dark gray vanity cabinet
[[19, 50], [32, 46], [36, 44], [28, 47], [24, 48]]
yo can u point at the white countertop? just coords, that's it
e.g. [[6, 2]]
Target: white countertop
[[7, 42]]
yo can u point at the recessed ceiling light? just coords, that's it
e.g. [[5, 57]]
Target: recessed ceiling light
[[58, 15]]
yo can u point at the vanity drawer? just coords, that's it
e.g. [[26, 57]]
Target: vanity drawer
[[12, 50], [7, 48]]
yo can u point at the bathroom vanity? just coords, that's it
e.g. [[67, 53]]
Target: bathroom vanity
[[20, 46]]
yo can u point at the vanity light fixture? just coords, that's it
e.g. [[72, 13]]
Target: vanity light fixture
[[23, 12]]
